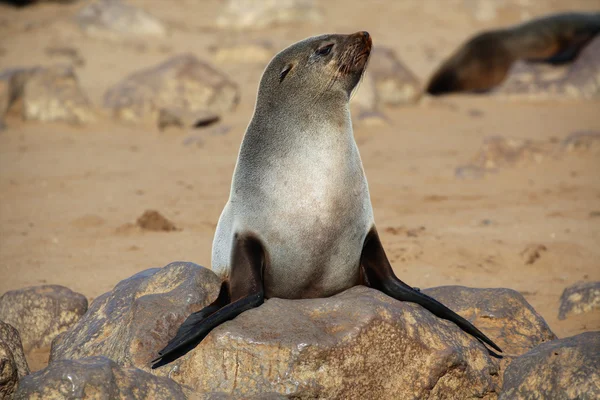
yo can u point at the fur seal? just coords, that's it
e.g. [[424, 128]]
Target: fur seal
[[484, 60], [299, 221]]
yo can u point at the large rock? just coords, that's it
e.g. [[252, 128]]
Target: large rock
[[48, 94], [113, 19], [257, 14], [182, 82], [387, 82], [96, 378], [562, 369], [40, 313], [503, 314], [579, 79], [357, 344], [131, 323], [579, 298], [13, 365]]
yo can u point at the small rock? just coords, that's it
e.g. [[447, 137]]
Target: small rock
[[40, 313], [13, 365], [357, 344], [182, 82], [579, 298], [582, 142], [153, 221], [113, 19], [96, 378], [561, 369], [135, 320], [502, 314], [49, 94], [258, 14], [184, 119], [579, 79], [532, 253]]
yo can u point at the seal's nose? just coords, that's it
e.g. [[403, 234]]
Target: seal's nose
[[366, 35]]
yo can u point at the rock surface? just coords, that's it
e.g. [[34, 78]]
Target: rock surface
[[357, 344], [257, 14], [182, 82], [48, 94], [13, 365], [40, 313], [579, 79], [502, 314], [387, 82], [579, 298], [137, 318], [562, 369], [113, 19], [96, 378]]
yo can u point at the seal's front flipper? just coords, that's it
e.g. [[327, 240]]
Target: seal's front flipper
[[378, 274], [243, 292]]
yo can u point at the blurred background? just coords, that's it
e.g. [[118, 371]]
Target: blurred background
[[121, 123]]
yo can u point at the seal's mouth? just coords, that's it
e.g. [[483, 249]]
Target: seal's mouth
[[353, 59]]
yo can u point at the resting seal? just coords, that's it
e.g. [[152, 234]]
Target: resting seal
[[484, 60], [299, 221]]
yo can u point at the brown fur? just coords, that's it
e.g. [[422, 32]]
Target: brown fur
[[484, 60]]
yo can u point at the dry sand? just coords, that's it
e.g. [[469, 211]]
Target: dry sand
[[67, 192]]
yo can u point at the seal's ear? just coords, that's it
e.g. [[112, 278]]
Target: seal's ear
[[284, 72]]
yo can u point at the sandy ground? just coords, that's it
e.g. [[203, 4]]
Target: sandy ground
[[66, 192]]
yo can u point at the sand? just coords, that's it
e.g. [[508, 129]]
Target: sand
[[68, 195]]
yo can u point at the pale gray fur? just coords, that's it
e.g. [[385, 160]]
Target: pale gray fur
[[299, 184]]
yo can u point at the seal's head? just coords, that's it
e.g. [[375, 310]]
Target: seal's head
[[320, 67]]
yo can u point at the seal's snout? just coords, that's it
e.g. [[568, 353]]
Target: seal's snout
[[365, 38]]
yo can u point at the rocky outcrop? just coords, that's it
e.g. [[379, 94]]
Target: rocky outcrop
[[387, 82], [137, 318], [579, 298], [357, 344], [13, 365], [40, 313], [96, 378], [258, 14], [503, 314], [114, 19], [562, 369], [182, 82], [577, 80], [47, 94]]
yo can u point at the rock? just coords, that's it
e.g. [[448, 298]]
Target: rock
[[562, 369], [48, 94], [577, 80], [152, 220], [357, 344], [12, 339], [387, 82], [532, 253], [500, 152], [579, 298], [184, 119], [182, 82], [113, 19], [135, 320], [13, 365], [96, 378], [502, 314], [258, 14], [40, 313]]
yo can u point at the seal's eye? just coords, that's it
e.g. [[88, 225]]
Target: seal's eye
[[325, 50], [284, 72]]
